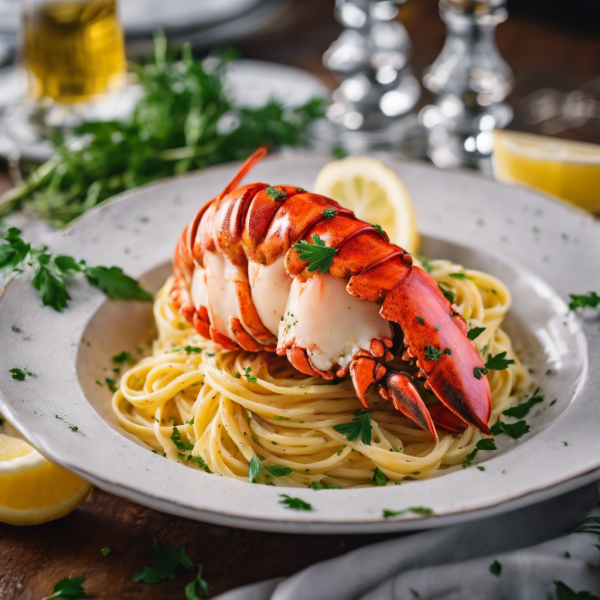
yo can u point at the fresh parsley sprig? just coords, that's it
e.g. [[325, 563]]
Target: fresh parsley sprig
[[484, 444], [475, 332], [50, 273], [522, 409], [184, 120], [513, 430], [498, 362], [360, 425], [294, 503], [318, 255]]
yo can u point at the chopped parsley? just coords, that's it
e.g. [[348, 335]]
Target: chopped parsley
[[317, 485], [378, 477], [522, 409], [68, 589], [484, 444], [278, 470], [275, 193], [123, 357], [479, 372], [329, 213], [496, 568], [279, 418], [15, 329], [294, 503], [447, 351], [193, 350], [513, 430], [450, 296], [339, 152], [20, 374], [190, 422], [459, 276], [360, 425], [249, 378], [420, 320], [432, 353], [380, 230], [318, 255], [475, 332], [254, 469], [591, 300], [417, 510], [200, 462], [498, 362], [176, 439], [106, 551], [111, 383], [165, 562]]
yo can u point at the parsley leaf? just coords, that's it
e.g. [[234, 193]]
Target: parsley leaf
[[513, 430], [459, 276], [48, 280], [165, 561], [68, 589], [475, 332], [496, 568], [590, 299], [379, 478], [193, 350], [484, 444], [479, 372], [106, 551], [115, 284], [12, 254], [111, 384], [317, 485], [318, 255], [498, 362], [450, 296], [522, 409], [432, 353], [380, 231], [294, 503], [275, 193], [123, 357], [200, 462], [176, 439], [254, 469], [197, 588], [278, 470], [360, 425], [249, 378], [19, 374], [417, 510], [420, 320], [329, 213], [564, 592]]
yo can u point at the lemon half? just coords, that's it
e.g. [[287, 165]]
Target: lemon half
[[562, 168], [376, 195], [32, 489]]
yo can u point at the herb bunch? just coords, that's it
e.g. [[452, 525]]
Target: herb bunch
[[184, 120]]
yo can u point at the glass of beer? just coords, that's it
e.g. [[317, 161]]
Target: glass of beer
[[72, 50]]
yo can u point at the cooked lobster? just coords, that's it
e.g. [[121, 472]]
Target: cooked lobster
[[279, 269]]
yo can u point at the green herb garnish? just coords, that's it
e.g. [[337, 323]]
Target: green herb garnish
[[294, 503], [68, 589], [591, 300], [249, 378], [420, 320], [484, 444], [522, 409], [475, 332], [450, 296], [197, 588], [176, 439], [378, 477], [106, 551], [318, 255], [418, 510], [498, 362], [496, 568], [112, 385], [278, 470], [513, 430], [165, 562], [123, 357], [275, 193], [254, 469], [459, 276], [479, 372], [380, 231], [360, 425], [432, 353], [329, 213], [200, 462], [317, 485], [19, 374]]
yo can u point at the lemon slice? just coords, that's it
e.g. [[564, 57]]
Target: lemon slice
[[562, 168], [32, 489], [376, 195]]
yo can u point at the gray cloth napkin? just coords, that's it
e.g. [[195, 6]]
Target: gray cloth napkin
[[453, 563]]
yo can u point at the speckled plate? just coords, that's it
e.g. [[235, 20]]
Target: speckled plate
[[542, 249]]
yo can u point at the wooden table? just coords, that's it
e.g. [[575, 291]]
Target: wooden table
[[33, 559]]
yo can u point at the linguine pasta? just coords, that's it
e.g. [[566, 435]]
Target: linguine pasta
[[217, 410]]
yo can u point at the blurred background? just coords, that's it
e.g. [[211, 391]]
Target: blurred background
[[426, 79]]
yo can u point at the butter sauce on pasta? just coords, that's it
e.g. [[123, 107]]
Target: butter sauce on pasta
[[215, 409]]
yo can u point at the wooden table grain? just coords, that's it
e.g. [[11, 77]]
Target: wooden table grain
[[33, 559]]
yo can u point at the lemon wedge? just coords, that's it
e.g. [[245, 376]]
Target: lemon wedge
[[32, 489], [562, 168], [376, 195]]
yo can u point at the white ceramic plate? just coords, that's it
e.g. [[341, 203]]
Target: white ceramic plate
[[510, 232]]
